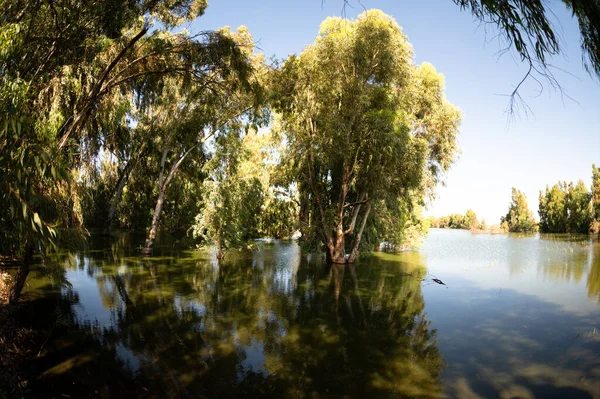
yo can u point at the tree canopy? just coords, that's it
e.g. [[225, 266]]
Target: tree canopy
[[570, 208], [519, 218], [369, 133]]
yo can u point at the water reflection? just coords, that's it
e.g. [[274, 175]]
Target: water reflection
[[564, 258], [593, 279], [266, 323], [519, 323], [519, 317]]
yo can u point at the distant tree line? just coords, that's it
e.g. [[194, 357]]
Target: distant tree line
[[467, 221], [564, 208], [571, 208]]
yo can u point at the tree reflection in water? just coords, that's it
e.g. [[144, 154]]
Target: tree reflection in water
[[593, 279], [268, 323]]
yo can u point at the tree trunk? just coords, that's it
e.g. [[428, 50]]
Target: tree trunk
[[220, 245], [337, 248], [162, 193], [155, 220], [220, 253], [116, 199], [337, 243], [304, 216], [15, 291], [354, 252]]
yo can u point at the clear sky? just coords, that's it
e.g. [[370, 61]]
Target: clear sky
[[559, 141]]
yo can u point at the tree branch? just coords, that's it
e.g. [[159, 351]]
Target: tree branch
[[91, 99], [350, 228], [288, 195], [356, 203]]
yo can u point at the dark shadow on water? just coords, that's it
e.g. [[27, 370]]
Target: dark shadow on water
[[266, 324]]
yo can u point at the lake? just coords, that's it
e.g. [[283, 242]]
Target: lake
[[518, 317]]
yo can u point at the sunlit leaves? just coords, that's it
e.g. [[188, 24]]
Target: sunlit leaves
[[519, 218], [362, 120], [566, 208]]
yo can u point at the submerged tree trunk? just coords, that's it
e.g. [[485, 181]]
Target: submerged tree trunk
[[162, 193], [21, 277], [336, 243], [155, 221], [355, 245], [337, 248]]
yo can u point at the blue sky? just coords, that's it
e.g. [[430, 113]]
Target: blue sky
[[559, 141]]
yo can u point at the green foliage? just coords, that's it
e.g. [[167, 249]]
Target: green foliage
[[568, 208], [278, 218], [402, 230], [579, 208], [470, 220], [519, 218], [595, 200], [237, 203], [31, 192], [71, 78], [457, 221], [97, 186], [367, 130]]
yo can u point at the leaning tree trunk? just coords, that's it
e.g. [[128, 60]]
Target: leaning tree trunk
[[355, 245], [155, 220], [162, 193], [21, 277]]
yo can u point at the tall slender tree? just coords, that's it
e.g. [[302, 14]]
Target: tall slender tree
[[227, 97], [519, 217], [595, 200]]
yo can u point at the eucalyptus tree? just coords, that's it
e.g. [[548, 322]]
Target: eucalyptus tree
[[233, 195], [164, 58], [519, 218], [240, 201], [553, 210], [63, 66], [188, 113], [369, 133], [579, 208], [566, 208], [528, 28], [595, 199]]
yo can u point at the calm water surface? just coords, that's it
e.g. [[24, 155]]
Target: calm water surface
[[517, 318]]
